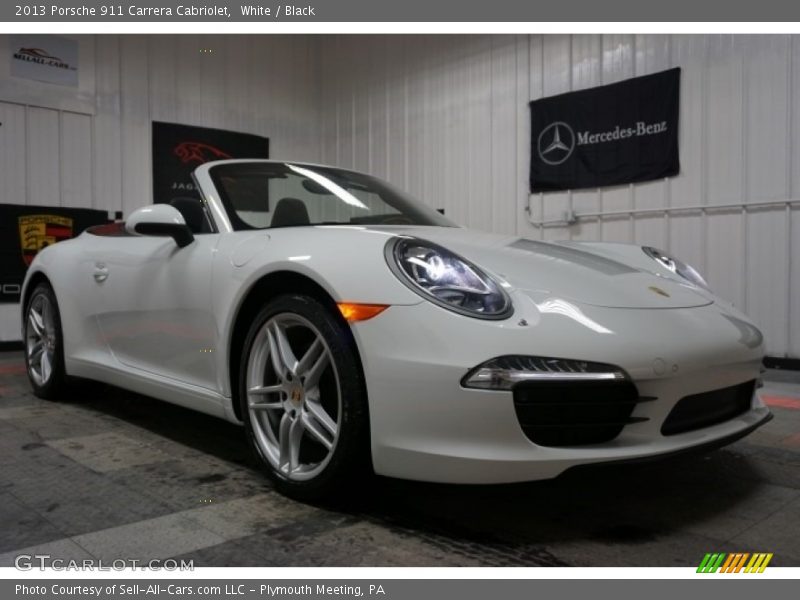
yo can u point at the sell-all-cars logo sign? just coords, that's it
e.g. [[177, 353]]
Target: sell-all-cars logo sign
[[38, 231], [198, 153], [556, 143], [42, 57]]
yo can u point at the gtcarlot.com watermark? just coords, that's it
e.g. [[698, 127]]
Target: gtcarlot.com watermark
[[29, 562]]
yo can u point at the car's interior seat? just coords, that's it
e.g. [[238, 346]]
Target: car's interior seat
[[193, 213], [290, 212]]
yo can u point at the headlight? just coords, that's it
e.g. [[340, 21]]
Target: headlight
[[446, 279], [677, 266], [504, 372]]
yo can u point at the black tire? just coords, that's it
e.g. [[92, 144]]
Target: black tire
[[54, 387], [350, 458]]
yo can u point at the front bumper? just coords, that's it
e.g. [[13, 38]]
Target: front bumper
[[426, 426]]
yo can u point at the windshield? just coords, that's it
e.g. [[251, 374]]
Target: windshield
[[261, 195]]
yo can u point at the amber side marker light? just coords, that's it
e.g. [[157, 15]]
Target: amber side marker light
[[360, 312]]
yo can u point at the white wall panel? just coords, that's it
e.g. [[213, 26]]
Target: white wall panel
[[617, 64], [523, 122], [587, 71], [76, 160], [766, 65], [793, 216], [108, 126], [725, 163], [13, 153], [479, 150], [653, 54], [162, 79], [556, 77], [91, 146], [137, 179], [446, 118], [377, 114], [101, 157], [457, 194], [535, 90], [458, 136], [43, 167], [361, 121], [686, 236], [397, 99], [503, 133]]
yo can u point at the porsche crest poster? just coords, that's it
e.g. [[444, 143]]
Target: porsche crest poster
[[610, 135], [25, 230], [179, 149]]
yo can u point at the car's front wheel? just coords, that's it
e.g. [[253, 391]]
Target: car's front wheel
[[302, 397], [44, 344]]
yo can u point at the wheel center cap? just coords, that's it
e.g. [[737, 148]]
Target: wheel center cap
[[297, 395]]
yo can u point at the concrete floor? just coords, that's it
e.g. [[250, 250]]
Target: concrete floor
[[116, 475]]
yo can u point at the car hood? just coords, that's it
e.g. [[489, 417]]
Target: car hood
[[563, 271]]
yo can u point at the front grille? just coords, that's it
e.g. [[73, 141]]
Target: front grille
[[557, 413], [709, 408]]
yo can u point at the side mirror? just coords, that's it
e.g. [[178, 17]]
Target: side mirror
[[160, 220]]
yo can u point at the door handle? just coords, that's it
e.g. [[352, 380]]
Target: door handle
[[100, 273]]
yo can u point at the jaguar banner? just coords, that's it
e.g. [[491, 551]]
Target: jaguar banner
[[179, 149], [609, 135], [25, 230]]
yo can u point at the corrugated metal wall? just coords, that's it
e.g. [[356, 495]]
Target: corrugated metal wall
[[91, 146], [447, 118]]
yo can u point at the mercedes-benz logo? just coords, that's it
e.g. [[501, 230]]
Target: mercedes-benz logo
[[556, 143]]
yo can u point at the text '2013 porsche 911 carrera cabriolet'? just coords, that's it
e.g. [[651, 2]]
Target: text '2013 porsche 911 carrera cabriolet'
[[349, 328]]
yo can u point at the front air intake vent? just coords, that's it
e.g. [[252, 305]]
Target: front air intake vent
[[709, 408], [576, 413]]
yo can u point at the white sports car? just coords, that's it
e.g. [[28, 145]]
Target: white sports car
[[347, 326]]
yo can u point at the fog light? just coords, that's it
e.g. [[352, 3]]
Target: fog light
[[503, 372]]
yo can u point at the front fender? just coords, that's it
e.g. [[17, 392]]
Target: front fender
[[345, 269]]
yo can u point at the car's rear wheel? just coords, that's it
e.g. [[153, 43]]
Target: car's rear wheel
[[302, 397], [44, 344]]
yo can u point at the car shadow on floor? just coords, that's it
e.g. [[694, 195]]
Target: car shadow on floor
[[626, 504], [620, 504]]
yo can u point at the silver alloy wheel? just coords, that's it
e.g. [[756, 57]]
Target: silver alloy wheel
[[286, 402], [40, 339]]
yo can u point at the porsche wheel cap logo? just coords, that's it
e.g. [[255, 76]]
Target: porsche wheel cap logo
[[297, 396]]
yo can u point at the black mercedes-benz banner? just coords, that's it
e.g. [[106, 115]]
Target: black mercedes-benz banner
[[24, 230], [179, 149], [610, 135]]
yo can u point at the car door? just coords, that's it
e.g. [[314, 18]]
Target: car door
[[153, 305]]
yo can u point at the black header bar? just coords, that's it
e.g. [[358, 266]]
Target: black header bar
[[783, 11]]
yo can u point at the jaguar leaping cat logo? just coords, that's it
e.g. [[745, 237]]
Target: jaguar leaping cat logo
[[199, 153]]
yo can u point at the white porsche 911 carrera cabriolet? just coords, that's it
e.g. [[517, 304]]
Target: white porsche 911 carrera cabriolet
[[348, 327]]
